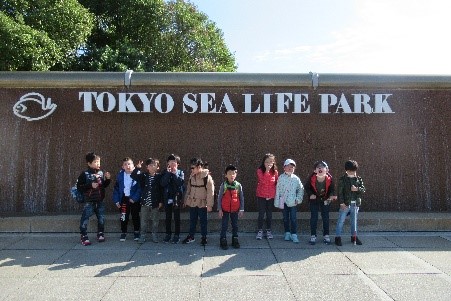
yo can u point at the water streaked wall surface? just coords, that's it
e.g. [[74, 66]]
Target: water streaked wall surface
[[396, 127]]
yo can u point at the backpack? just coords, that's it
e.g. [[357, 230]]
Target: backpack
[[76, 194]]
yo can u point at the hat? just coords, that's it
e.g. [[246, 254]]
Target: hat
[[288, 162], [318, 163], [230, 167]]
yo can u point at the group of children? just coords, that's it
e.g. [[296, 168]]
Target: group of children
[[142, 194]]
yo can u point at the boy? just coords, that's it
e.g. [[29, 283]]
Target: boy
[[230, 203], [92, 184], [350, 189], [126, 195], [149, 182], [320, 191], [172, 181], [289, 193]]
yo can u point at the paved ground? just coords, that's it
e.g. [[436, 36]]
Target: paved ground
[[389, 266]]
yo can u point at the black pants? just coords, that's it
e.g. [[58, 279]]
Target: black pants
[[264, 206], [170, 208], [134, 209]]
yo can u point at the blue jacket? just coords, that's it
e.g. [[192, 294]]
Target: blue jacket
[[173, 186], [118, 191]]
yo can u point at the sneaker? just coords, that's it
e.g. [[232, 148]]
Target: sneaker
[[312, 240], [141, 240], [269, 234], [136, 236], [356, 240], [235, 243], [294, 238], [259, 235], [287, 236], [154, 238], [123, 237], [100, 237], [167, 238], [175, 239], [223, 243], [189, 239], [338, 241], [85, 240], [203, 241], [326, 239]]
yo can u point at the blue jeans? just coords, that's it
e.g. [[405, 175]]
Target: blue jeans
[[90, 208], [225, 223], [315, 205], [289, 219], [342, 216], [194, 214]]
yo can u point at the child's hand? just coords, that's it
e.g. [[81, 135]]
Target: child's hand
[[240, 214], [220, 213], [139, 164], [209, 209], [107, 175], [95, 185], [118, 205], [313, 197], [354, 188], [333, 198], [343, 206]]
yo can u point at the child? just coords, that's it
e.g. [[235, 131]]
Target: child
[[289, 193], [350, 189], [320, 191], [199, 199], [267, 176], [126, 195], [230, 203], [172, 181], [151, 196], [92, 184]]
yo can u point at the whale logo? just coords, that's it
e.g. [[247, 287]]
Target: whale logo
[[33, 106]]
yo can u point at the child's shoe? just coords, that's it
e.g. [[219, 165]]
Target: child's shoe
[[175, 239], [203, 241], [100, 237], [338, 241], [259, 235], [154, 238], [85, 240], [312, 240], [167, 238], [356, 240], [269, 234], [287, 236], [223, 243], [136, 235], [235, 243], [294, 238], [326, 239], [141, 240], [123, 237], [189, 239]]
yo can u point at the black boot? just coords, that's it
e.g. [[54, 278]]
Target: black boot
[[223, 243], [338, 241], [235, 243], [357, 240]]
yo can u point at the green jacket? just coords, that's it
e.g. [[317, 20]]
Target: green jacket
[[345, 195]]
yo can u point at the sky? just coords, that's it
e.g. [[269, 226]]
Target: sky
[[335, 36]]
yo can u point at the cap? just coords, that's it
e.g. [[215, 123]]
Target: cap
[[288, 162], [320, 163], [230, 167]]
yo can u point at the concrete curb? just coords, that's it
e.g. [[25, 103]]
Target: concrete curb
[[368, 221]]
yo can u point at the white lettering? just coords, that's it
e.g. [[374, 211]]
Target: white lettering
[[189, 99], [301, 103], [206, 102], [362, 100], [125, 103], [381, 104], [343, 104], [88, 97], [227, 105], [327, 100], [159, 102], [248, 104], [283, 102], [110, 99]]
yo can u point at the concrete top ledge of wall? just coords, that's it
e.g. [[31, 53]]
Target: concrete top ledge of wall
[[129, 78]]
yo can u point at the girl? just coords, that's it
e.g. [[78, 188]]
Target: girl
[[267, 175]]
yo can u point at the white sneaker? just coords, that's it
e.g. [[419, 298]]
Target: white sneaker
[[312, 240], [259, 235], [294, 238], [287, 236], [327, 239], [269, 234]]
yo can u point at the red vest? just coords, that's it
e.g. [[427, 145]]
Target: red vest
[[313, 183], [231, 197]]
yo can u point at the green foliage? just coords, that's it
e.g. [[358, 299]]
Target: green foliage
[[110, 35], [41, 35]]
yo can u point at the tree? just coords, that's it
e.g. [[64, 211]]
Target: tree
[[40, 35], [153, 35]]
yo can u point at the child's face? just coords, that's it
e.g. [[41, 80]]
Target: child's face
[[269, 163], [351, 173], [231, 175], [172, 165], [128, 166], [152, 168], [289, 169], [321, 170], [94, 164], [195, 169]]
